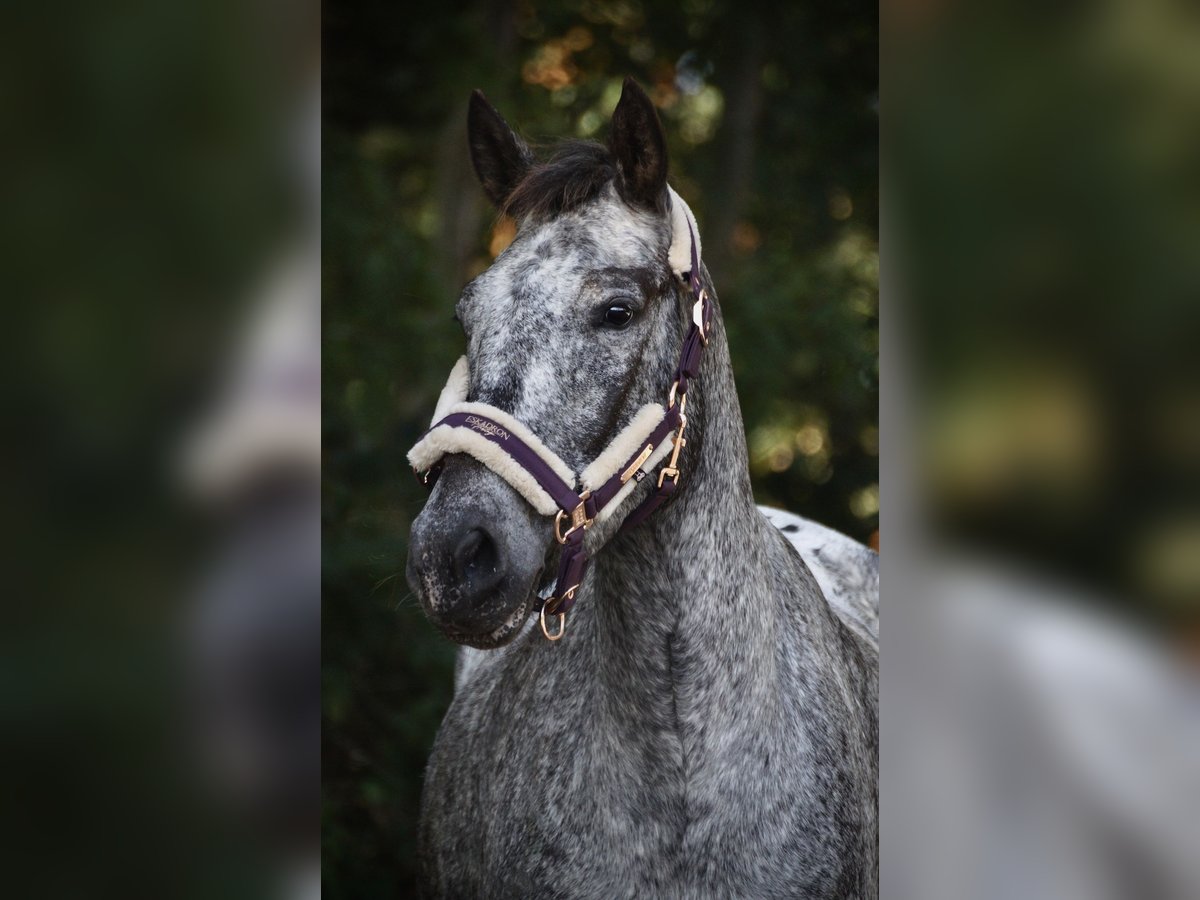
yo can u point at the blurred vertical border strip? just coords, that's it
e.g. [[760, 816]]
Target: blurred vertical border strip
[[1040, 612]]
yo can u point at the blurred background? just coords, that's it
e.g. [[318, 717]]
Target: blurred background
[[159, 652], [771, 116], [1046, 195], [1040, 407]]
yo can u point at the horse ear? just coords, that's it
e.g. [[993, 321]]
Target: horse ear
[[640, 147], [500, 158]]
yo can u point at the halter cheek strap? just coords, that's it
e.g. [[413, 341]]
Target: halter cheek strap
[[547, 483]]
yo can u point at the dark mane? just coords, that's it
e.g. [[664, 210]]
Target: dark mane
[[575, 174]]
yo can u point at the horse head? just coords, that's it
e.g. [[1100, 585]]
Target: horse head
[[573, 329]]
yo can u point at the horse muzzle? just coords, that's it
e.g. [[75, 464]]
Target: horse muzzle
[[476, 553]]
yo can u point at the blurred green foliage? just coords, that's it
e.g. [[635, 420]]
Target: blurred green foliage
[[147, 185], [772, 125], [1047, 206]]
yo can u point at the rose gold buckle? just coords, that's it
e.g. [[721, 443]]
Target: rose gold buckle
[[579, 519], [551, 607], [562, 626], [671, 469]]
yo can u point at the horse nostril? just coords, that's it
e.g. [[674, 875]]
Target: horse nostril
[[477, 561]]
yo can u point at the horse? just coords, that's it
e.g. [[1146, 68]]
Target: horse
[[703, 722]]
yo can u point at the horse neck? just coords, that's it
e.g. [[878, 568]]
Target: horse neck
[[683, 581]]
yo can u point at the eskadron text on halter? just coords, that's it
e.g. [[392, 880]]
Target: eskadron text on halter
[[515, 453]]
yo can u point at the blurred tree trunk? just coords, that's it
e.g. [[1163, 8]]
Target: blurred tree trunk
[[738, 143], [460, 199]]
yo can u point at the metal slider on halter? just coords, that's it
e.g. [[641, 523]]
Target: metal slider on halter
[[511, 450]]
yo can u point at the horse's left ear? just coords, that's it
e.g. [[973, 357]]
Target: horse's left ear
[[640, 148]]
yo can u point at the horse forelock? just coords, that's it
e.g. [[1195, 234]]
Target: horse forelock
[[576, 173]]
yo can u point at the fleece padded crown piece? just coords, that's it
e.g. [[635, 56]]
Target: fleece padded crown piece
[[680, 254]]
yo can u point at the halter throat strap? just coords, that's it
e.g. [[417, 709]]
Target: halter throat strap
[[513, 452]]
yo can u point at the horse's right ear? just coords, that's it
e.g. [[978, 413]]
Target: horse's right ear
[[501, 159], [640, 147]]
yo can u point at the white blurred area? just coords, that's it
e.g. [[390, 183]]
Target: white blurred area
[[269, 419], [1032, 747]]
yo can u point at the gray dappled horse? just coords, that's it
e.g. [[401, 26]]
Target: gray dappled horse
[[706, 727]]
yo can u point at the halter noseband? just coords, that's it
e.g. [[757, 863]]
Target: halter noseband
[[513, 452]]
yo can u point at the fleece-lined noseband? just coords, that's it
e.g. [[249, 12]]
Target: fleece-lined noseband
[[515, 453]]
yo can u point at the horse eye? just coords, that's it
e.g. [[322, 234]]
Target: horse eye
[[618, 315]]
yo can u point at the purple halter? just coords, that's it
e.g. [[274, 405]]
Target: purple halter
[[576, 511]]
